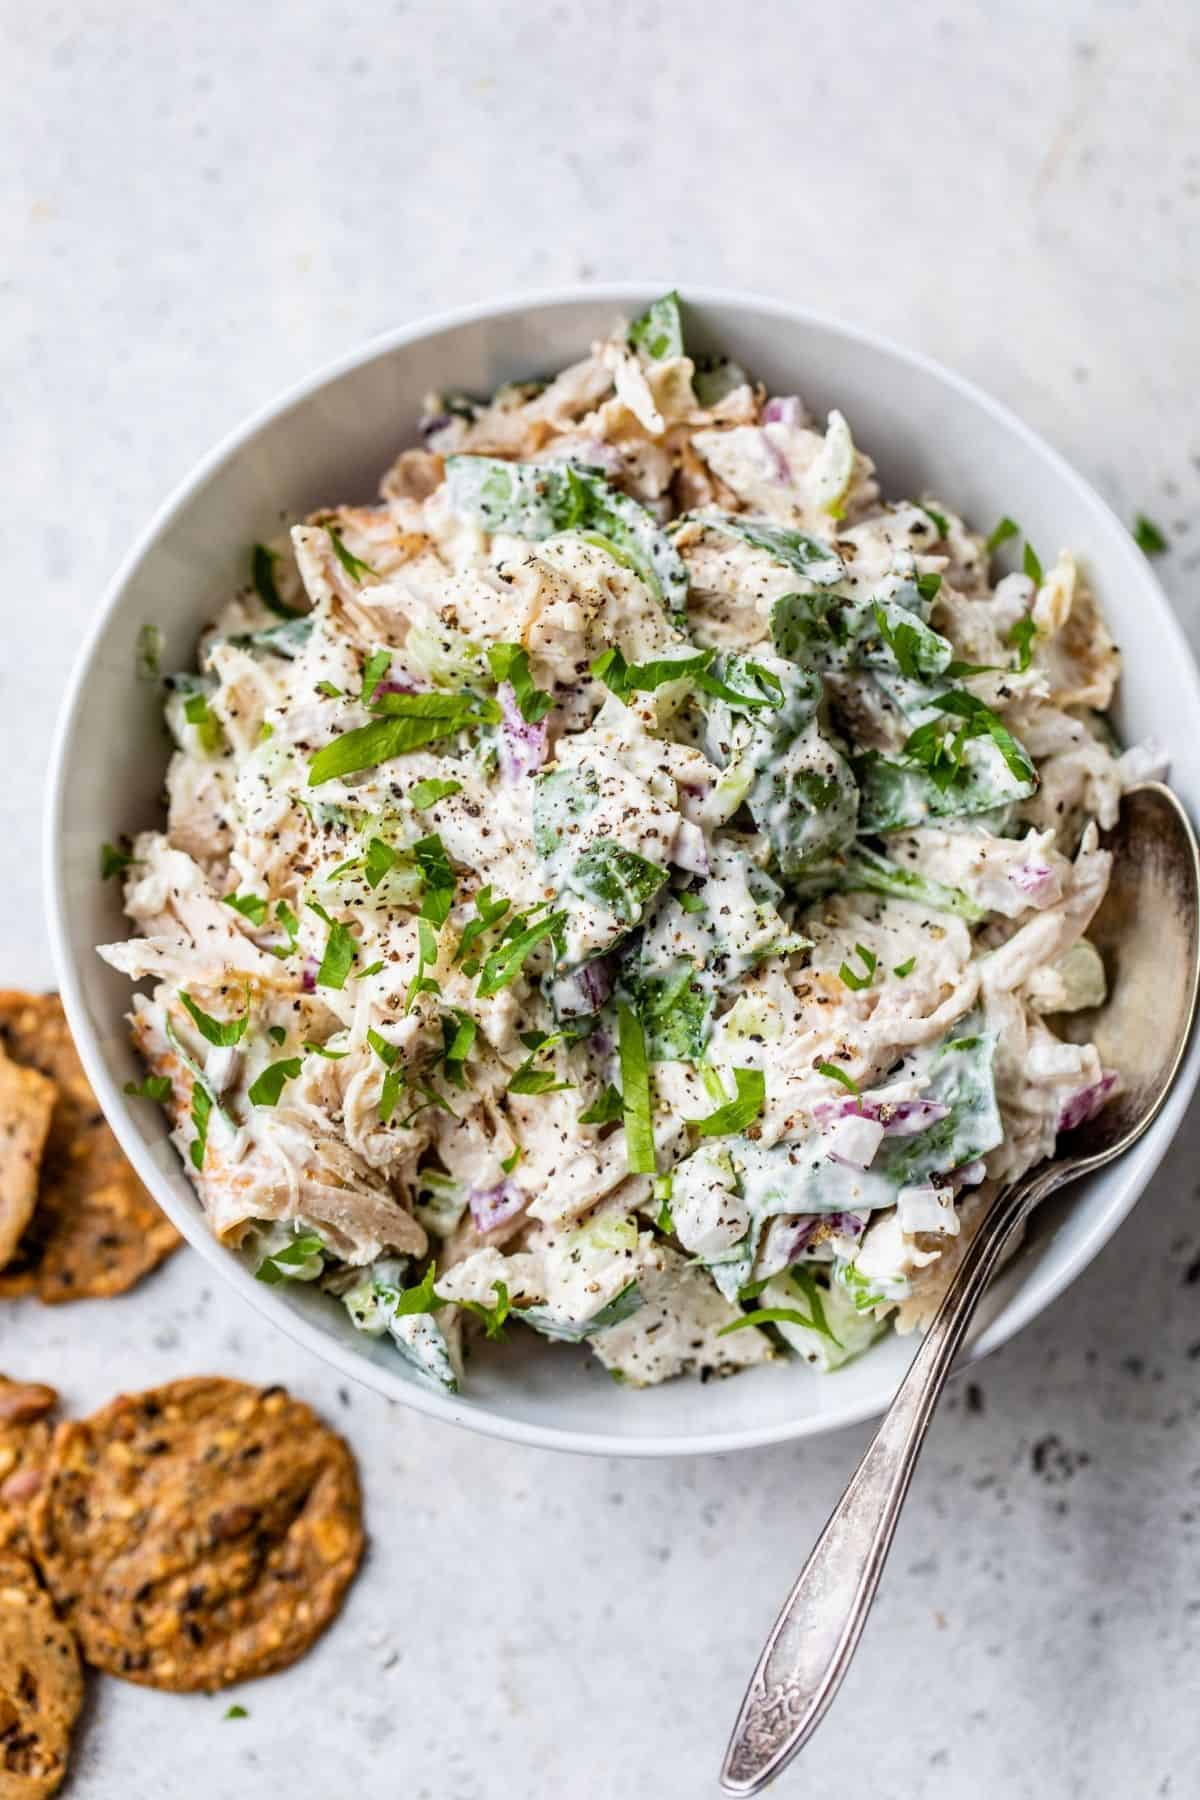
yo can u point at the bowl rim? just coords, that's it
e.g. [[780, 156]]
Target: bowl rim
[[1024, 1305]]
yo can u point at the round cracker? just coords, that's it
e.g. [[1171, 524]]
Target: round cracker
[[25, 1437], [41, 1685], [26, 1106], [95, 1230], [200, 1533]]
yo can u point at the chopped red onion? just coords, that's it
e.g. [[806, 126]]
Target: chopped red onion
[[785, 1238], [308, 977], [495, 1206], [1038, 882], [584, 990], [899, 1118], [521, 746], [1086, 1102], [397, 684], [783, 409]]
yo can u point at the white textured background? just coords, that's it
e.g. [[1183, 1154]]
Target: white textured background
[[198, 204]]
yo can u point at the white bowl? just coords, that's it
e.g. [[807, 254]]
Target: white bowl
[[329, 440]]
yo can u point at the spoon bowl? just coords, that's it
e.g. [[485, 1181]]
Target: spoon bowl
[[1147, 930]]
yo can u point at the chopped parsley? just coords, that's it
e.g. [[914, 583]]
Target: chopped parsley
[[691, 903], [251, 906], [493, 1317], [283, 1265], [1149, 537], [851, 977], [277, 1034], [262, 569], [635, 1085], [379, 861], [340, 951], [732, 1118], [505, 962], [420, 1298], [489, 910], [235, 1712], [905, 968], [606, 1110], [201, 1113], [1031, 565], [509, 662], [265, 1091], [114, 861], [374, 670], [430, 791], [940, 521], [929, 586], [404, 722], [154, 1087], [1020, 637], [354, 566], [1005, 529], [223, 1033], [833, 1073]]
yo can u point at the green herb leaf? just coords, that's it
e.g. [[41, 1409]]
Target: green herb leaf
[[420, 1298], [691, 903], [277, 1034], [201, 1113], [981, 720], [489, 911], [635, 1085], [493, 1316], [265, 586], [851, 978], [1021, 637], [509, 662], [505, 962], [929, 586], [1149, 537], [374, 670], [283, 1264], [430, 791], [406, 722], [265, 1091], [320, 1050], [905, 968], [658, 332], [379, 861], [733, 1117], [1031, 565], [1005, 529], [235, 1712], [833, 1073], [340, 951], [221, 1032], [606, 1110], [251, 906], [940, 521], [354, 566], [459, 1032], [427, 954], [622, 678], [330, 690], [154, 1087], [115, 862], [290, 923], [434, 864]]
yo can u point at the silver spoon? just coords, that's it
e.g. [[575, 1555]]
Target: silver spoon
[[1146, 930]]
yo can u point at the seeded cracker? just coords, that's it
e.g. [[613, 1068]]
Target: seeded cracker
[[200, 1533], [26, 1104], [25, 1437], [95, 1230], [41, 1685]]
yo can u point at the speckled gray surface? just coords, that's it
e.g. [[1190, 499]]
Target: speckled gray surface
[[201, 204]]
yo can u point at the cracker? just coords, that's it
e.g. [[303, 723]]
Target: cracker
[[41, 1685], [200, 1533], [26, 1103], [95, 1230], [25, 1437]]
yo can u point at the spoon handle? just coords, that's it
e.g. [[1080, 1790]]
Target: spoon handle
[[817, 1633]]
